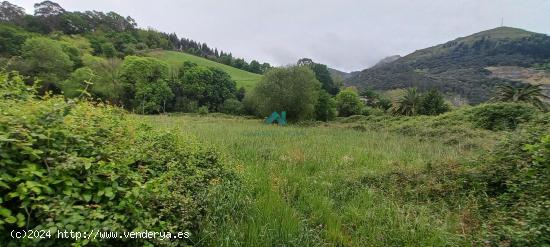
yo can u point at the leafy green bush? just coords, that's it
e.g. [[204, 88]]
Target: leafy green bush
[[81, 166], [501, 116], [370, 111], [432, 103], [203, 110], [517, 174], [232, 106], [348, 103]]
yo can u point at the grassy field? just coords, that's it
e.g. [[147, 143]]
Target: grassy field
[[175, 59], [305, 186]]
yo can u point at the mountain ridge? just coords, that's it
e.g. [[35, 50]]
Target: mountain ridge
[[458, 67]]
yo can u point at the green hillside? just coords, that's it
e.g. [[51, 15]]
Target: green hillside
[[459, 67], [175, 59]]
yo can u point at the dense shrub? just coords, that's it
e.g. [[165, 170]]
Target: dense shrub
[[452, 128], [78, 166], [11, 38], [432, 103], [517, 174], [501, 116], [203, 110], [348, 103], [504, 193], [232, 106], [370, 111]]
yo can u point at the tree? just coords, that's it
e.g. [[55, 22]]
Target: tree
[[348, 103], [49, 15], [74, 23], [528, 93], [11, 40], [407, 104], [11, 13], [78, 81], [432, 103], [208, 86], [325, 110], [292, 89], [108, 50], [373, 99], [45, 59], [322, 74], [232, 106], [145, 81], [106, 84], [47, 9], [255, 67], [265, 67], [304, 62], [240, 93]]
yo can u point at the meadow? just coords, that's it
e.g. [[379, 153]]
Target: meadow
[[175, 59], [306, 186]]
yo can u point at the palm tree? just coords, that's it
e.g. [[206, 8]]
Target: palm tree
[[407, 104], [528, 93]]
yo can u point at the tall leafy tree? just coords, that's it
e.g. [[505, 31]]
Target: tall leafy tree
[[45, 59], [49, 14], [47, 9], [11, 40], [325, 110], [292, 89], [322, 74], [146, 84], [255, 67], [11, 13], [208, 86]]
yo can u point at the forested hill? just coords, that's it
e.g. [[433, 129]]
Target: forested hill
[[458, 67], [110, 33]]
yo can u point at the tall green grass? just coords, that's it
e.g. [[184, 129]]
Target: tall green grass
[[304, 186]]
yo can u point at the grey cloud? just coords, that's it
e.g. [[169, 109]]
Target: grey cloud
[[345, 34]]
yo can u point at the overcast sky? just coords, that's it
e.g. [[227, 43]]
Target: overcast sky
[[344, 34]]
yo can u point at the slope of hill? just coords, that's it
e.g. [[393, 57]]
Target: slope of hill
[[458, 67], [175, 59], [387, 60]]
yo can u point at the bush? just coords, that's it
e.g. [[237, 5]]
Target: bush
[[76, 166], [348, 103], [184, 104], [370, 111], [501, 116], [232, 106], [203, 110], [432, 103], [517, 175]]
